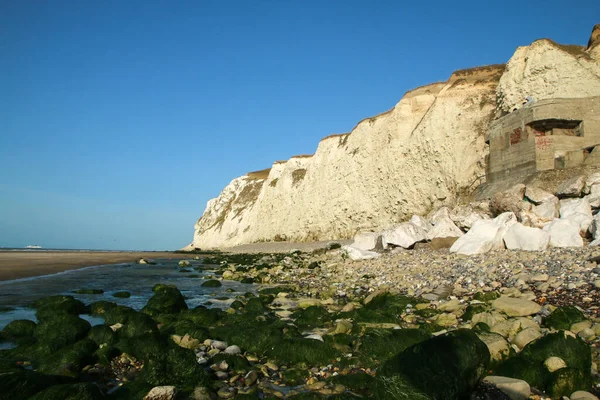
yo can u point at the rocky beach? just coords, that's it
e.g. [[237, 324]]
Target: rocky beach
[[410, 324]]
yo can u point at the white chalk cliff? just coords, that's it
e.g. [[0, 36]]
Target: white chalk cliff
[[423, 153]]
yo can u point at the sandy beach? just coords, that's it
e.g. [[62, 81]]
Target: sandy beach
[[23, 264]]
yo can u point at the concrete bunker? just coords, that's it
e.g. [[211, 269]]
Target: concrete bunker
[[549, 134]]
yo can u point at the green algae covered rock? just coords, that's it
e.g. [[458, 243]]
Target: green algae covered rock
[[563, 317], [48, 307], [60, 331], [212, 283], [19, 331], [69, 360], [136, 324], [486, 297], [79, 391], [122, 295], [382, 344], [174, 366], [300, 350], [255, 306], [201, 316], [21, 385], [473, 309], [99, 308], [443, 367], [529, 364], [311, 317], [102, 334], [106, 353], [398, 387], [565, 381], [167, 299]]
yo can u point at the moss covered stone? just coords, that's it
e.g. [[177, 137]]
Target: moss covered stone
[[202, 316], [300, 350], [47, 307], [61, 331], [444, 367], [167, 299], [397, 387], [69, 360], [136, 324], [212, 283], [19, 331], [566, 381], [106, 353], [79, 391], [21, 385], [312, 317], [122, 295], [174, 366], [255, 306], [563, 317], [101, 307], [528, 365], [473, 309], [381, 344], [237, 363], [102, 334], [385, 307], [359, 382]]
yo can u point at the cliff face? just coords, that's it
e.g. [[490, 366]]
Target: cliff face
[[423, 153]]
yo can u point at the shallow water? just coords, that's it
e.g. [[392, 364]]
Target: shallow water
[[134, 278]]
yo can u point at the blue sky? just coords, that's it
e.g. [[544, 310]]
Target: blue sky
[[120, 119]]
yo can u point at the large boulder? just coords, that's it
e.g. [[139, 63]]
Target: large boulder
[[538, 196], [484, 235], [591, 181], [444, 367], [465, 216], [167, 299], [367, 241], [594, 196], [421, 222], [577, 210], [594, 228], [564, 233], [510, 200], [520, 237], [356, 254], [572, 187], [404, 235], [444, 228]]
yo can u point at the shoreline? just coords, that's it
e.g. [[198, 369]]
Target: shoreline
[[28, 264]]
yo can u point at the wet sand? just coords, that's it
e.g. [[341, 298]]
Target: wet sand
[[23, 264]]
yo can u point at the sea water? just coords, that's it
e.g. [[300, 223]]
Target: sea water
[[138, 279]]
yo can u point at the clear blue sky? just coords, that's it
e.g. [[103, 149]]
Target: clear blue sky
[[120, 119]]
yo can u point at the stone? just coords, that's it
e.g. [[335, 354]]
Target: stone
[[594, 228], [367, 241], [594, 197], [538, 196], [184, 263], [564, 233], [446, 320], [442, 212], [484, 235], [582, 395], [591, 181], [516, 389], [514, 307], [219, 345], [358, 254], [579, 326], [162, 393], [200, 393], [404, 235], [251, 378], [577, 210], [520, 237], [142, 261], [572, 187], [547, 210], [511, 327], [554, 364], [497, 345], [456, 359], [233, 349], [465, 216], [444, 228], [587, 334], [510, 200], [421, 222], [526, 336]]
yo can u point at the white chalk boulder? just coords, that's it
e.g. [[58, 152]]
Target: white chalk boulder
[[404, 235], [520, 237], [564, 233], [358, 254], [367, 241]]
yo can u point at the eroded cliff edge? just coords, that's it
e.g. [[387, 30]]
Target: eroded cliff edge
[[425, 152]]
